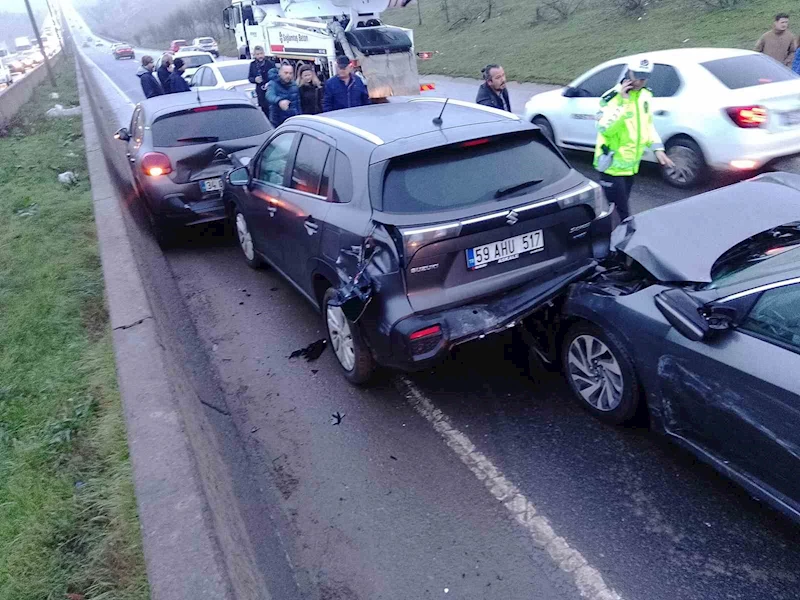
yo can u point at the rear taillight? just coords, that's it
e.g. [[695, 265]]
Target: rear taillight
[[472, 143], [204, 108], [425, 340], [156, 164], [748, 117]]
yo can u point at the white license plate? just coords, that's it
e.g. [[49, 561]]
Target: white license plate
[[211, 185], [505, 250]]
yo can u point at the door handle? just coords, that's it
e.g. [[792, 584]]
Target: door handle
[[272, 210], [661, 113], [311, 226]]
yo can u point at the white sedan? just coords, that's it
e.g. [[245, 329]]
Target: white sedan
[[193, 61], [225, 75], [724, 109]]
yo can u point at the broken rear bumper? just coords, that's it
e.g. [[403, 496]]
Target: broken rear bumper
[[473, 321]]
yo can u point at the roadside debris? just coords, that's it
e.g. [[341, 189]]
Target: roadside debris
[[59, 111], [337, 418], [28, 211], [311, 352], [54, 96], [67, 178]]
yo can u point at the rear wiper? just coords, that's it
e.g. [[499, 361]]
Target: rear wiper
[[200, 138], [515, 188]]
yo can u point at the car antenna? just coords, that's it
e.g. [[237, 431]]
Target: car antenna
[[438, 120]]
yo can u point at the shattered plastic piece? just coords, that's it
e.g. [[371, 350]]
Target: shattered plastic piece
[[337, 418], [311, 352], [59, 111], [28, 211], [67, 178]]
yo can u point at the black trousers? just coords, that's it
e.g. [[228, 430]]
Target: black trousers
[[618, 191]]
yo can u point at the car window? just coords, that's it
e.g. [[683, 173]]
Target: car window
[[749, 70], [195, 60], [470, 173], [309, 164], [599, 83], [342, 179], [197, 78], [763, 255], [209, 79], [207, 124], [271, 166], [776, 316], [235, 72], [138, 131], [134, 118], [664, 82], [325, 181]]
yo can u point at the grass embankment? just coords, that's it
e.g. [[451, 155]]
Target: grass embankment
[[556, 52], [68, 521]]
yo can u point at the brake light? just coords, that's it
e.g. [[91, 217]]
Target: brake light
[[156, 164], [478, 142], [427, 332], [204, 108], [748, 117]]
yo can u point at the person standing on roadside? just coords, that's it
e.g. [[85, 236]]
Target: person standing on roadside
[[492, 91], [164, 71], [283, 97], [177, 83], [779, 42], [259, 74], [151, 86], [345, 90], [310, 90], [625, 130]]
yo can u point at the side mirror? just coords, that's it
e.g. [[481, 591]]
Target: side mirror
[[570, 92], [122, 134], [683, 313], [239, 177]]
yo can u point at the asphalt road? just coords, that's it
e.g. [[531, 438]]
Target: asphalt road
[[380, 506]]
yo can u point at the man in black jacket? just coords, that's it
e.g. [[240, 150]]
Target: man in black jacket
[[177, 83], [259, 74], [493, 90], [164, 72], [150, 85]]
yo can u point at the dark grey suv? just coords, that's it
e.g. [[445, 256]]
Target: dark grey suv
[[414, 232]]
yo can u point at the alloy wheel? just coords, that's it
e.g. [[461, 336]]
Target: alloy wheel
[[687, 165], [245, 239], [341, 337], [595, 372]]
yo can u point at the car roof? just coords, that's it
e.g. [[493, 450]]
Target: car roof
[[170, 103], [386, 123], [180, 54], [678, 56], [228, 63]]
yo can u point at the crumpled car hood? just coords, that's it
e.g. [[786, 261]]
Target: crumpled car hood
[[681, 241]]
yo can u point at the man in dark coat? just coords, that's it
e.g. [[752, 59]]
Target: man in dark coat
[[164, 72], [346, 90], [259, 74], [283, 96], [493, 90], [150, 85], [177, 83]]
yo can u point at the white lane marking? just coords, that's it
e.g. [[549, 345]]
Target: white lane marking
[[587, 579]]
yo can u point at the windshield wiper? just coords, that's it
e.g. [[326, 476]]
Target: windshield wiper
[[199, 138], [515, 188]]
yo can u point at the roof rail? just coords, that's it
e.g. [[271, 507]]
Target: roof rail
[[366, 135], [494, 111]]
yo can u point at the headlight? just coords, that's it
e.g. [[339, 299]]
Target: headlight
[[590, 194]]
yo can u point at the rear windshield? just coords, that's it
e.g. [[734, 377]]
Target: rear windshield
[[235, 72], [222, 124], [750, 70], [458, 176], [205, 41], [197, 60]]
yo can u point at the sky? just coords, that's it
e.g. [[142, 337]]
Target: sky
[[19, 5]]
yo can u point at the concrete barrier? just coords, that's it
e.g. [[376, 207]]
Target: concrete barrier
[[13, 98]]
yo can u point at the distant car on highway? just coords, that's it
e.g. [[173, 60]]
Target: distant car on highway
[[225, 75], [193, 59], [17, 66], [122, 50], [176, 45], [206, 44], [708, 341], [714, 108], [411, 235], [179, 151]]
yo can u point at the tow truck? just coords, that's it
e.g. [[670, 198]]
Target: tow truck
[[317, 31]]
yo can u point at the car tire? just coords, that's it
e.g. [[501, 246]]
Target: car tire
[[689, 162], [347, 343], [546, 127], [245, 240], [591, 357], [163, 232], [133, 57]]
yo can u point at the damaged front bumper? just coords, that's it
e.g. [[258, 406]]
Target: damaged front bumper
[[449, 328]]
